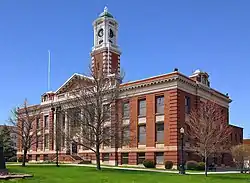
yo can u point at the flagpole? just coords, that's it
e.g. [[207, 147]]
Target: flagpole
[[49, 70]]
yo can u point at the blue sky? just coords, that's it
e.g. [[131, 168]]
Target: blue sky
[[154, 36]]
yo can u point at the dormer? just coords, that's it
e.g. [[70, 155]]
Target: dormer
[[200, 77], [48, 96]]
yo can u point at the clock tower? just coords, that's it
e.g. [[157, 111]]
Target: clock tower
[[105, 53]]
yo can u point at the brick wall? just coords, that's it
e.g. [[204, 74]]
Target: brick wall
[[150, 120], [51, 130], [133, 121], [41, 139]]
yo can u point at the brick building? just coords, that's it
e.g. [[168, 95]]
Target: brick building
[[155, 107]]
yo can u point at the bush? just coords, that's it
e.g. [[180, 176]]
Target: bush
[[20, 159], [169, 165], [85, 162], [200, 166], [12, 159], [191, 165], [149, 164]]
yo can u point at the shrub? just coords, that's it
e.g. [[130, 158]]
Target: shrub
[[85, 162], [149, 164], [12, 159], [169, 165], [20, 159], [191, 165], [200, 166]]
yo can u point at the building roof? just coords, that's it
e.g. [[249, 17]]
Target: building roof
[[105, 13], [75, 75]]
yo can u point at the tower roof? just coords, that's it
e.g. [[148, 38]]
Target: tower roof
[[105, 13]]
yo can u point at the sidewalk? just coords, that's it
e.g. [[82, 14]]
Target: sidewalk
[[131, 169]]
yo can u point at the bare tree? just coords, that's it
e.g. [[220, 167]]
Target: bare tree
[[93, 116], [240, 153], [208, 131], [26, 120]]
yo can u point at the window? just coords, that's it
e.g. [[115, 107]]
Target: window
[[46, 141], [159, 105], [37, 157], [187, 105], [124, 158], [63, 139], [236, 139], [159, 156], [126, 110], [37, 123], [46, 157], [126, 136], [37, 142], [29, 157], [142, 107], [140, 158], [63, 121], [46, 121], [160, 132], [107, 136], [142, 134], [105, 157], [106, 112], [76, 118]]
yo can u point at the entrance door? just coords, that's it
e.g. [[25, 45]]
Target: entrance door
[[74, 148]]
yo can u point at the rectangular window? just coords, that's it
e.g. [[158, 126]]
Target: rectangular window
[[105, 157], [63, 121], [159, 156], [38, 123], [46, 141], [107, 136], [126, 136], [29, 157], [37, 157], [142, 107], [46, 157], [126, 109], [140, 158], [46, 121], [142, 134], [63, 139], [160, 132], [37, 142], [106, 112], [124, 158], [187, 105], [159, 101]]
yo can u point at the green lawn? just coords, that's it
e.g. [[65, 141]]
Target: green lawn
[[70, 174]]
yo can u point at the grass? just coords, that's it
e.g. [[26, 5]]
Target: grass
[[69, 174]]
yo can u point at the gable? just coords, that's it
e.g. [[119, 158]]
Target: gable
[[73, 83]]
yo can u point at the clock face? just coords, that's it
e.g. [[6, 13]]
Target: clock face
[[100, 33], [111, 33]]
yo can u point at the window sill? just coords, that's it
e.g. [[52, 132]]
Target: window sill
[[141, 116], [159, 114]]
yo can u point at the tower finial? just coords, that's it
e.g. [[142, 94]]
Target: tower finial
[[105, 9]]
